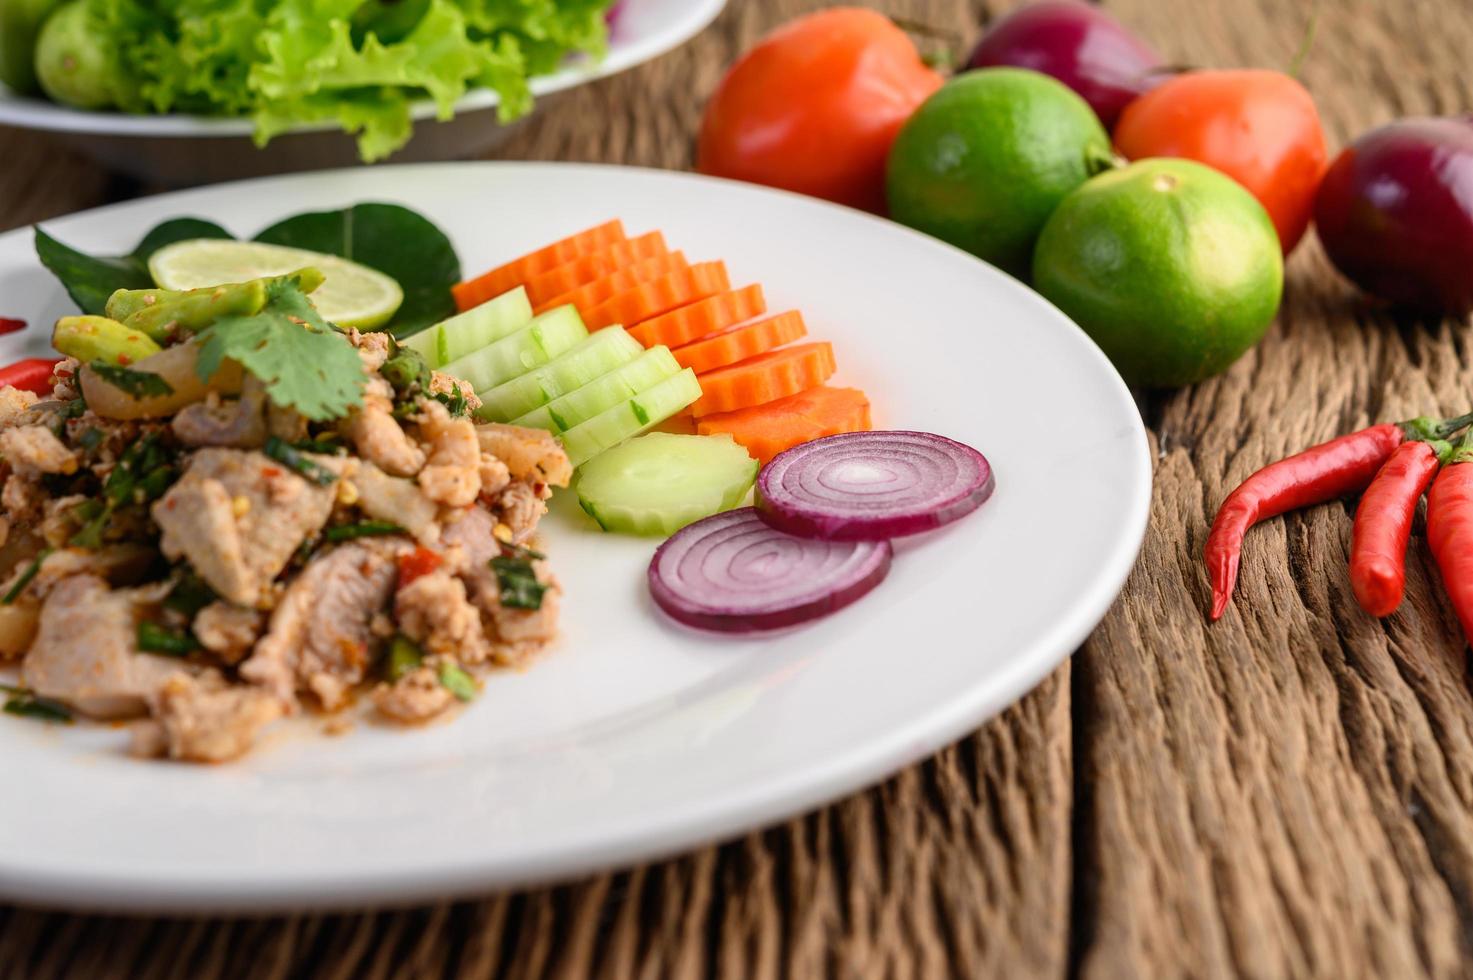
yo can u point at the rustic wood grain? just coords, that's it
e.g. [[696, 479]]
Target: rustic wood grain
[[1287, 793]]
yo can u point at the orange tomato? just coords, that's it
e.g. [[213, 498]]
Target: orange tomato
[[1259, 127], [815, 106]]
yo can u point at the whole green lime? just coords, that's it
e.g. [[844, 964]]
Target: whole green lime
[[74, 62], [1173, 268], [985, 160], [20, 22]]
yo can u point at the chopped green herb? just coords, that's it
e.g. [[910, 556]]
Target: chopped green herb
[[90, 534], [139, 384], [519, 586], [304, 363], [87, 510], [73, 409], [91, 439], [363, 529], [323, 445], [454, 402], [190, 594], [282, 451], [25, 578], [405, 657], [153, 638], [27, 704], [458, 682]]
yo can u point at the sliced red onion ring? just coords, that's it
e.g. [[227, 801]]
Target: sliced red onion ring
[[872, 486], [733, 573]]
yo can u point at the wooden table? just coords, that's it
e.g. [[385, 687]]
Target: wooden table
[[1286, 793]]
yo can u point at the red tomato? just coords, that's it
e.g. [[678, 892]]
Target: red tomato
[[815, 106], [1258, 127], [417, 564]]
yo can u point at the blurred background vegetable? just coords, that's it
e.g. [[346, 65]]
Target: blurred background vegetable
[[359, 63], [1259, 127], [815, 105], [1078, 44], [20, 23], [1395, 213]]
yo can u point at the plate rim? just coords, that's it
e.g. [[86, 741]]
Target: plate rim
[[42, 115], [797, 792]]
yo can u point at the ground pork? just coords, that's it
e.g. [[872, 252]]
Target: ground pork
[[434, 611], [204, 719], [415, 698], [228, 631], [34, 449], [376, 433], [452, 471]]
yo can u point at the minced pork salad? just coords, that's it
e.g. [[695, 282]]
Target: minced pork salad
[[270, 514]]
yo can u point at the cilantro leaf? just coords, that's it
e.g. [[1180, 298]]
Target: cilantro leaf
[[304, 363]]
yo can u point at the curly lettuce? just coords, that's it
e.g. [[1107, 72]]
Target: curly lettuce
[[359, 63]]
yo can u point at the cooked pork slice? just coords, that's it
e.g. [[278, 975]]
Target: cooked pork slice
[[377, 435], [33, 449], [285, 423], [520, 507], [415, 698], [228, 631], [434, 611], [473, 532], [85, 652], [530, 454], [13, 401], [397, 499], [320, 631], [452, 471], [240, 423], [204, 719], [238, 517]]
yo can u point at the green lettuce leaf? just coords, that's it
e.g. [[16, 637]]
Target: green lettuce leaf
[[359, 63]]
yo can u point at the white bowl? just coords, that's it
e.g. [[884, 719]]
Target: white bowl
[[178, 150]]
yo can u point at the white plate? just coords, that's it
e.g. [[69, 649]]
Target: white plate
[[632, 738], [645, 29]]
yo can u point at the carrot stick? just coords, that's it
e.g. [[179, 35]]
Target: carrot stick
[[588, 296], [586, 268], [701, 318], [740, 343], [474, 292], [765, 378], [658, 296], [766, 430]]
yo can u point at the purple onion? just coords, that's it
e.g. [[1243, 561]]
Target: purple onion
[[1395, 213], [733, 573], [1080, 45], [872, 486]]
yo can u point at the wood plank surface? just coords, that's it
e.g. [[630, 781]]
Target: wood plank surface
[[1287, 793]]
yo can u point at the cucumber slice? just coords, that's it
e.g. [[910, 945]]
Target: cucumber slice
[[604, 392], [468, 332], [629, 418], [549, 335], [601, 353], [658, 483]]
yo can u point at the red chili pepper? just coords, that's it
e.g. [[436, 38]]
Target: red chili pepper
[[1383, 524], [417, 564], [1450, 531], [1333, 469], [33, 374], [10, 324]]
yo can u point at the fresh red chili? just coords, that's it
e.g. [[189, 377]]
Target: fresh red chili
[[10, 324], [1383, 524], [33, 374], [1450, 531], [418, 563], [1333, 469]]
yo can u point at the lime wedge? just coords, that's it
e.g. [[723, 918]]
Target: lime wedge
[[351, 295]]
